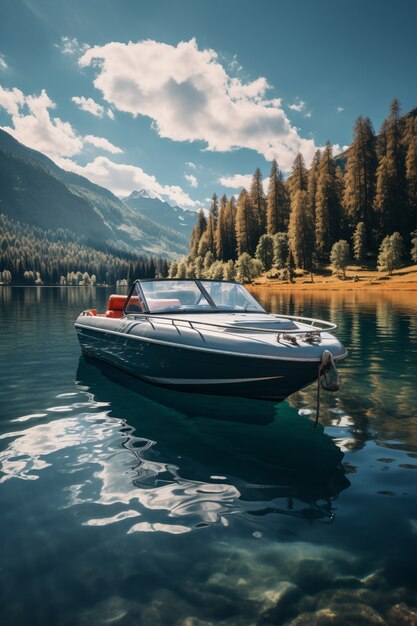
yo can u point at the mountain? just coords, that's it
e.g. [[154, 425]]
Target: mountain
[[180, 220], [34, 190]]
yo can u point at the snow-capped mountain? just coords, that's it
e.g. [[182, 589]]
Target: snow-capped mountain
[[150, 205]]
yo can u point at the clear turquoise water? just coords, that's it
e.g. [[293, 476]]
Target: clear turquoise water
[[126, 504]]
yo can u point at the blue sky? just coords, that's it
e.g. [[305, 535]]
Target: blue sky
[[206, 90]]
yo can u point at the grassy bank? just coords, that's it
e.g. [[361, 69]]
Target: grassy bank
[[357, 278]]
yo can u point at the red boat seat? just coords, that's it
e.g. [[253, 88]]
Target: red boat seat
[[115, 305]]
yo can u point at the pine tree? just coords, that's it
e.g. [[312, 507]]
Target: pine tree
[[230, 229], [359, 242], [214, 209], [277, 202], [246, 225], [327, 205], [301, 231], [257, 199], [411, 174], [221, 230], [359, 193], [297, 181], [413, 251], [391, 207], [197, 232], [312, 178]]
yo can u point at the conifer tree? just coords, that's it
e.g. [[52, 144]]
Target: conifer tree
[[411, 174], [257, 199], [277, 202], [221, 231], [359, 242], [197, 232], [246, 225], [413, 251], [391, 207], [327, 205], [214, 209], [301, 231], [230, 230], [359, 193], [297, 181], [312, 178]]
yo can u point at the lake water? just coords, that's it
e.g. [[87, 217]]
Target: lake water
[[125, 504]]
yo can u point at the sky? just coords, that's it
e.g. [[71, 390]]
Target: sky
[[188, 97]]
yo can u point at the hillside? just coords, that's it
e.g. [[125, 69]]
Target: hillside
[[34, 190]]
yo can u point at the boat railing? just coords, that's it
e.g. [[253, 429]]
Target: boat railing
[[315, 326]]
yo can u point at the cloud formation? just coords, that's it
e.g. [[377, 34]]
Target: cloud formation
[[71, 47], [3, 64], [297, 106], [240, 181], [91, 106], [34, 127], [122, 178], [102, 143], [190, 97], [191, 180]]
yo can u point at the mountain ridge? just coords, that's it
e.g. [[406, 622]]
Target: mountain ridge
[[36, 191]]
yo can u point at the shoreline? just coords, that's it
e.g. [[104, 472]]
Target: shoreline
[[357, 279], [368, 286]]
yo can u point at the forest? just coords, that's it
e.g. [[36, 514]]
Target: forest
[[32, 256], [359, 206]]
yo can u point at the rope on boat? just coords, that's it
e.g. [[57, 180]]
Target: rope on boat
[[328, 378]]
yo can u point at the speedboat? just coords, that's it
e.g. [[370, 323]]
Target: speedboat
[[210, 336]]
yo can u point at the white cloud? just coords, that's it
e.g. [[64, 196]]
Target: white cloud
[[33, 125], [191, 165], [191, 179], [337, 149], [104, 144], [308, 114], [3, 64], [89, 105], [297, 106], [240, 181], [11, 100], [122, 178], [237, 181], [190, 97], [340, 109], [71, 47]]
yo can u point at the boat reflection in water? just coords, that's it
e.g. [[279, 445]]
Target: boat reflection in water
[[211, 457]]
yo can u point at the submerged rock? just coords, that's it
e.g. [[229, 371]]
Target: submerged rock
[[313, 575], [341, 615], [402, 615]]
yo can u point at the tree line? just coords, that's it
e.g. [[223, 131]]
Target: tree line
[[30, 255], [360, 198]]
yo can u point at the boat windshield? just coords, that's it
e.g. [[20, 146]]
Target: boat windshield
[[163, 296]]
